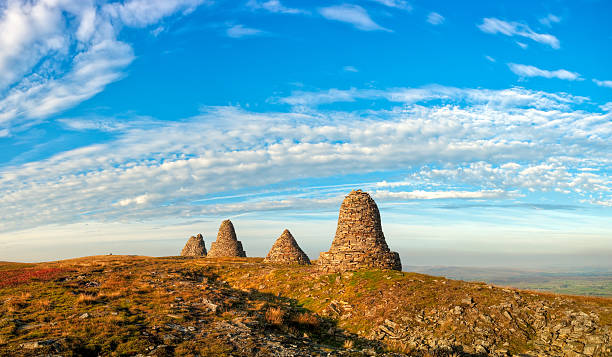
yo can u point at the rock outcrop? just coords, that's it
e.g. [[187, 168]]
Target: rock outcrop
[[359, 241], [286, 250], [226, 245], [195, 247]]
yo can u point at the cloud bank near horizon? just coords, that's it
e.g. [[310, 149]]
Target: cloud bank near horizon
[[513, 145]]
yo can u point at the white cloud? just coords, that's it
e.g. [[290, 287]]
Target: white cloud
[[603, 83], [606, 107], [349, 69], [104, 124], [550, 175], [532, 71], [435, 19], [274, 6], [141, 13], [138, 200], [497, 98], [522, 45], [56, 54], [550, 19], [238, 31], [475, 144], [440, 195], [352, 14], [495, 26], [490, 59], [156, 31], [91, 71], [399, 4]]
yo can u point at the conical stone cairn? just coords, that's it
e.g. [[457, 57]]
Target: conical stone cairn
[[226, 245], [359, 242], [195, 247], [286, 251]]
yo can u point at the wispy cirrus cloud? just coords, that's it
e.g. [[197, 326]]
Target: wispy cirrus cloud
[[512, 97], [54, 55], [439, 195], [351, 14], [435, 19], [603, 83], [274, 6], [239, 31], [398, 4], [549, 20], [497, 26], [532, 71]]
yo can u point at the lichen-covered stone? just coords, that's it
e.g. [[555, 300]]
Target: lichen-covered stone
[[286, 251], [359, 242], [195, 247], [226, 245]]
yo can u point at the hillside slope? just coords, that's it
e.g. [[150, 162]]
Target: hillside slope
[[128, 305]]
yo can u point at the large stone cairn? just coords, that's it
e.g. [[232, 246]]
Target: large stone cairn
[[226, 245], [286, 250], [195, 247], [359, 242]]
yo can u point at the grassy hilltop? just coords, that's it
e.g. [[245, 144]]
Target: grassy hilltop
[[130, 305]]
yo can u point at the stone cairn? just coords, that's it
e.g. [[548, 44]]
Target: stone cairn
[[226, 245], [286, 250], [359, 242], [195, 247]]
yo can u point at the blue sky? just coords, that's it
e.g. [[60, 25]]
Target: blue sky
[[482, 129]]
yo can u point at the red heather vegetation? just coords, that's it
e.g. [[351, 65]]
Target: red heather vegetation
[[16, 277]]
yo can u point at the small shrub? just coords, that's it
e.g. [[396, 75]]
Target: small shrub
[[348, 344], [16, 303], [306, 318], [274, 316]]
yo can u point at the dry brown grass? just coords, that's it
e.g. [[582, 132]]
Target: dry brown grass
[[400, 347], [307, 318], [43, 304], [275, 316], [113, 294], [348, 344], [14, 304], [87, 299]]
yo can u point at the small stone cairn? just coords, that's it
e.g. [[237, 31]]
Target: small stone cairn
[[359, 242], [226, 245], [286, 251], [195, 247]]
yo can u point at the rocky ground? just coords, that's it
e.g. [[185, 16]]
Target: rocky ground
[[117, 305]]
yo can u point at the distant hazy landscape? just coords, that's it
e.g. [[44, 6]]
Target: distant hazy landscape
[[583, 281]]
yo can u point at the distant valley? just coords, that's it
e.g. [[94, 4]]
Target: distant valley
[[582, 281]]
